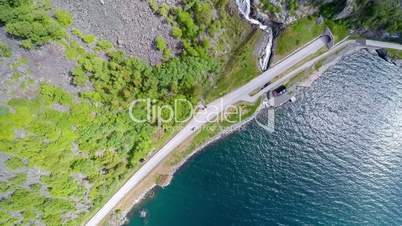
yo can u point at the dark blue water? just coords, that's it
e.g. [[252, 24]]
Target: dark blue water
[[334, 159]]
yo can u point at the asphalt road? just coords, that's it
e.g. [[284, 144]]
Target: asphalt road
[[202, 117], [385, 45], [216, 107]]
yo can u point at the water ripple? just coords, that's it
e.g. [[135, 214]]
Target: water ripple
[[334, 159]]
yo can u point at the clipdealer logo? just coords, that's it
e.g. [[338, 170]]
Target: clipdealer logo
[[182, 111]]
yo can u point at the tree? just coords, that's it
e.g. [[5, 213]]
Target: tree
[[63, 17], [153, 4], [203, 13], [190, 29], [26, 20], [160, 43], [5, 50], [104, 44], [176, 32], [27, 44], [88, 38], [164, 10]]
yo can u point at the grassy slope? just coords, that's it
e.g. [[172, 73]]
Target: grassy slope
[[241, 68], [395, 53], [302, 32]]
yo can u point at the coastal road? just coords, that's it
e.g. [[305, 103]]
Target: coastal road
[[385, 45], [218, 106], [204, 116]]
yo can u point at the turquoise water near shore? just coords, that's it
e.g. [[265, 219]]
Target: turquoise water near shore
[[335, 158]]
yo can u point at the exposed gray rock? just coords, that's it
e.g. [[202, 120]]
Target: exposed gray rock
[[130, 24], [348, 10], [398, 63], [5, 173], [75, 149], [38, 222], [320, 20], [60, 108], [68, 216], [6, 195], [33, 176], [44, 64], [20, 133], [15, 214]]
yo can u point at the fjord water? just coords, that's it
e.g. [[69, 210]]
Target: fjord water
[[335, 158]]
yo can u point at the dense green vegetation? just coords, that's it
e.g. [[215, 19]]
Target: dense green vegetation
[[290, 5], [379, 15], [93, 141], [161, 45], [385, 15], [269, 7], [30, 21], [108, 143], [196, 27]]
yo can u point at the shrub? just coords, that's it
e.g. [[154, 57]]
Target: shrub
[[190, 29], [160, 43], [88, 38], [76, 32], [74, 51], [214, 27], [153, 4], [26, 20], [79, 77], [176, 32], [164, 10], [292, 5], [63, 17], [203, 13], [5, 51], [167, 53], [27, 44], [268, 6], [55, 94], [104, 45]]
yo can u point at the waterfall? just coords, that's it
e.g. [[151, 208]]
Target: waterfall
[[244, 7]]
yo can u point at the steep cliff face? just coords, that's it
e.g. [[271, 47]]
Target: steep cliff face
[[245, 8], [372, 19], [285, 11], [349, 8]]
